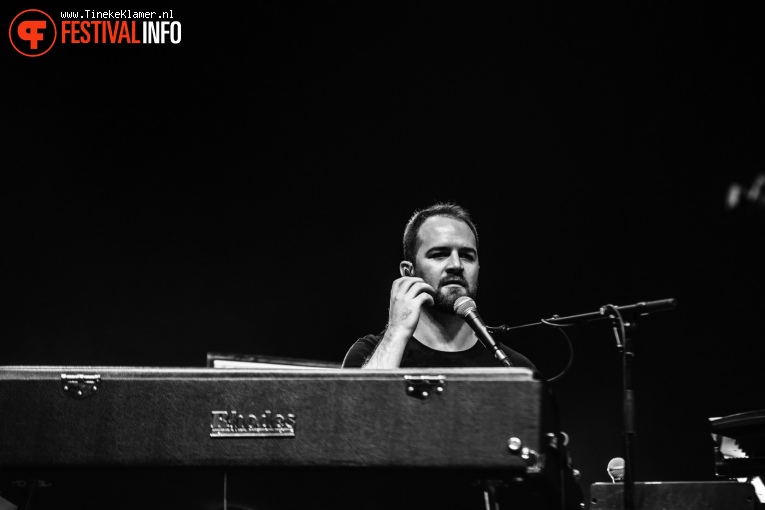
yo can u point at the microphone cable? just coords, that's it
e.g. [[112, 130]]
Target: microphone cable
[[570, 348], [504, 330]]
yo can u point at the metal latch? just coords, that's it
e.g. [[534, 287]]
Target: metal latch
[[422, 386], [80, 385]]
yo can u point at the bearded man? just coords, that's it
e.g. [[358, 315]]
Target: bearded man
[[440, 265]]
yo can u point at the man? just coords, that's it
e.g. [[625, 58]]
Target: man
[[440, 265]]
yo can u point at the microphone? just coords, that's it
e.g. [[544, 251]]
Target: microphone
[[616, 469], [466, 308]]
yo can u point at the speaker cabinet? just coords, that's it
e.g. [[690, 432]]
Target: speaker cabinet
[[725, 495]]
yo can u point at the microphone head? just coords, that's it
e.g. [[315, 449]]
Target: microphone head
[[616, 469], [463, 305]]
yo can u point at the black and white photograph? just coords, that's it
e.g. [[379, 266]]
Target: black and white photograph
[[242, 248]]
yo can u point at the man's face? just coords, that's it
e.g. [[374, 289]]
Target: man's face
[[447, 259]]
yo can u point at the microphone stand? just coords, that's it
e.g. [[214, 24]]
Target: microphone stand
[[628, 398], [622, 331]]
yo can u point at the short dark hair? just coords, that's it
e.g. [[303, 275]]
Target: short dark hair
[[448, 209]]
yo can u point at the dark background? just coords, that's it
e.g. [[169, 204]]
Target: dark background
[[246, 190]]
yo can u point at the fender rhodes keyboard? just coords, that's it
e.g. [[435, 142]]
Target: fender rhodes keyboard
[[274, 422]]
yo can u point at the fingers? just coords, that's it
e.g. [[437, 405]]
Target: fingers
[[412, 286], [418, 289], [408, 295], [425, 299]]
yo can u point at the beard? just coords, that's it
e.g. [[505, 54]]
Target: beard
[[445, 297]]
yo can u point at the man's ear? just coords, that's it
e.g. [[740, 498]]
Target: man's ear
[[406, 268]]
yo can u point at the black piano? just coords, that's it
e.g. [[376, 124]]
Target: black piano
[[241, 439], [740, 444]]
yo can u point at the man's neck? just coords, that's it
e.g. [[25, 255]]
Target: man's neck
[[444, 332]]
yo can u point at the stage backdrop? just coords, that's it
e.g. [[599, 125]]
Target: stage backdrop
[[245, 190]]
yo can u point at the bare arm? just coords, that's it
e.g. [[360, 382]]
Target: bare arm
[[407, 296]]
